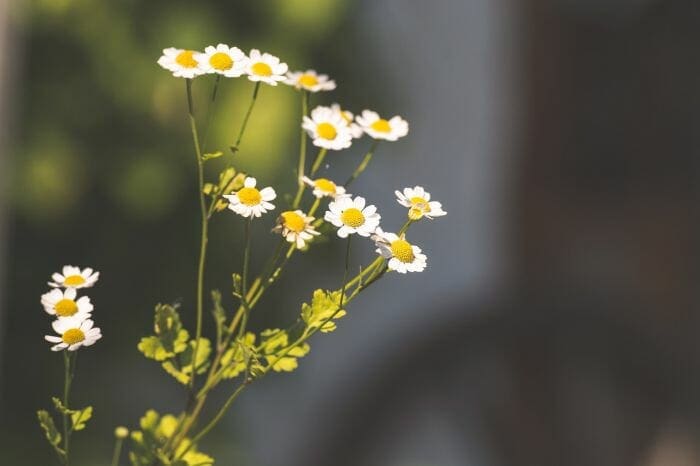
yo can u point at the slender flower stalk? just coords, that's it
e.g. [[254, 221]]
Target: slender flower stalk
[[302, 151], [319, 160], [237, 145], [204, 227], [69, 362], [363, 165]]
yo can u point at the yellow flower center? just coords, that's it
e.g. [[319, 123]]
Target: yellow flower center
[[421, 204], [261, 69], [325, 185], [293, 221], [74, 280], [352, 217], [186, 59], [66, 308], [326, 131], [221, 61], [249, 196], [73, 336], [402, 250], [308, 80], [381, 125]]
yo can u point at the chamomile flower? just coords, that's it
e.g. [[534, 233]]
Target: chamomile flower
[[352, 216], [224, 60], [349, 118], [73, 333], [182, 63], [324, 187], [73, 277], [310, 81], [249, 201], [63, 303], [327, 128], [265, 67], [296, 227], [379, 128], [402, 256], [419, 204]]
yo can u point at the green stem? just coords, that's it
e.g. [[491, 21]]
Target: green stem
[[237, 145], [220, 414], [365, 161], [405, 226], [319, 160], [314, 207], [66, 392], [117, 451], [210, 112], [244, 284], [204, 227], [302, 150]]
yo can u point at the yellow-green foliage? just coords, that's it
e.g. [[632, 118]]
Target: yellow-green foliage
[[155, 432], [324, 308]]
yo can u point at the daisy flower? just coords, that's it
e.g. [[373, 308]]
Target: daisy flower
[[73, 277], [249, 201], [379, 128], [296, 227], [324, 187], [63, 304], [265, 67], [351, 216], [327, 128], [74, 333], [349, 118], [310, 81], [182, 63], [419, 204], [402, 256], [222, 59]]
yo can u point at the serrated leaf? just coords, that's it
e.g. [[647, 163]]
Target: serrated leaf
[[47, 424], [209, 188], [58, 404], [80, 417], [180, 376], [239, 356], [324, 305], [280, 357]]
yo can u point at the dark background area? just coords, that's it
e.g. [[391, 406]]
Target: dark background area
[[556, 323]]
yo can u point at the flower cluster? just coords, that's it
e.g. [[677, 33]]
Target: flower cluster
[[73, 325], [226, 61]]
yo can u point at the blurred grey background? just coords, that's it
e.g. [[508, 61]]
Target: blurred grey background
[[556, 321]]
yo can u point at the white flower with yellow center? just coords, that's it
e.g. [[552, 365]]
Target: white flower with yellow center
[[249, 201], [352, 216], [379, 128], [63, 304], [265, 67], [324, 187], [73, 333], [349, 118], [222, 59], [73, 277], [296, 227], [402, 256], [419, 204], [310, 81], [327, 128], [182, 63]]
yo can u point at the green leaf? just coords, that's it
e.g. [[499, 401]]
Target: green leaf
[[241, 355], [169, 339], [324, 305], [211, 155], [80, 417], [182, 367], [47, 424], [279, 356], [60, 407], [218, 311]]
